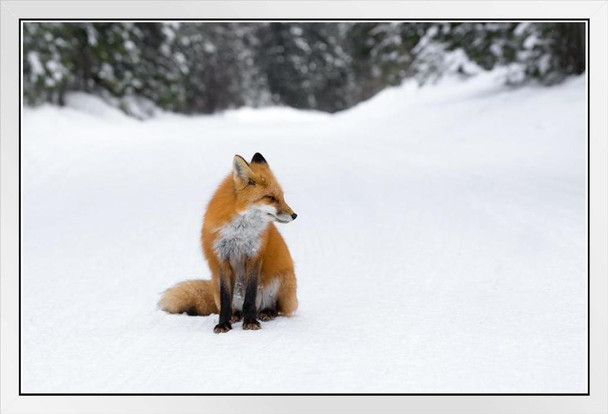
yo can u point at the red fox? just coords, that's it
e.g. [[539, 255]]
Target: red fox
[[252, 272]]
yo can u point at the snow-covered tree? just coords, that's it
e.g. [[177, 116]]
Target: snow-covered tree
[[208, 67]]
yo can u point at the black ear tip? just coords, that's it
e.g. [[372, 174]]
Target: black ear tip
[[258, 158]]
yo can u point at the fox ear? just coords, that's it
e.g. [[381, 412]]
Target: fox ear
[[258, 159], [240, 169]]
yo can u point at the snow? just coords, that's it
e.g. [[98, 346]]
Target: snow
[[34, 60], [440, 245], [91, 35], [457, 60], [106, 71]]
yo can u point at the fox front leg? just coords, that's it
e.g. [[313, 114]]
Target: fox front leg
[[226, 287], [252, 276]]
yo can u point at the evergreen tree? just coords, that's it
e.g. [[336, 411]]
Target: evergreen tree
[[208, 67], [48, 63], [306, 65], [383, 53]]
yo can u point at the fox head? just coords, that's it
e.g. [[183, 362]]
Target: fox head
[[256, 188]]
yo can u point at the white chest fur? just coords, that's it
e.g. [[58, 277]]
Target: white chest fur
[[241, 237]]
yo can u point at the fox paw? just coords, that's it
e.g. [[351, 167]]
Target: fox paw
[[222, 327], [267, 314], [237, 316], [251, 324]]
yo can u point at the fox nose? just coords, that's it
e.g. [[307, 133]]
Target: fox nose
[[294, 215]]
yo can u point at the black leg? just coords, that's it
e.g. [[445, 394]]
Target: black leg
[[249, 308], [225, 304]]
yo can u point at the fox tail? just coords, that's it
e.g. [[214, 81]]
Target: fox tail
[[195, 297]]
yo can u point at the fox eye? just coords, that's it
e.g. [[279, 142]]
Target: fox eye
[[271, 198], [250, 182]]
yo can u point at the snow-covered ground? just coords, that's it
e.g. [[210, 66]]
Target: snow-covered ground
[[440, 245]]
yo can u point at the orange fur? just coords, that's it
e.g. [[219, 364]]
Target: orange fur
[[254, 185], [194, 297]]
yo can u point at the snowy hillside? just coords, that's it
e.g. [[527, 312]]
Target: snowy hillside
[[440, 245]]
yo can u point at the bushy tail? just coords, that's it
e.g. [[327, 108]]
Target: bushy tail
[[194, 297]]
